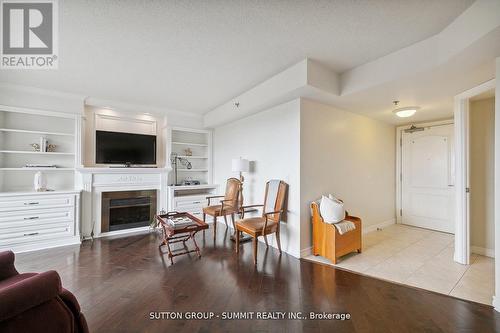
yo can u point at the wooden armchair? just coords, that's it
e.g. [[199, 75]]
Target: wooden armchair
[[228, 206], [269, 221], [328, 242]]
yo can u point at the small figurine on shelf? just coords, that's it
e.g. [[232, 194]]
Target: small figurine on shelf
[[188, 152], [40, 182], [51, 147], [35, 146]]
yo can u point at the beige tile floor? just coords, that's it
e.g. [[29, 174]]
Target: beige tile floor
[[421, 258]]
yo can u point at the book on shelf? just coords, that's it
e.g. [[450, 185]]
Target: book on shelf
[[31, 165]]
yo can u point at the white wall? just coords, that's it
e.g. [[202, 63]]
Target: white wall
[[316, 149], [271, 139], [34, 98], [350, 156], [482, 154]]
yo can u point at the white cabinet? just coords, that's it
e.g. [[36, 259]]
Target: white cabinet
[[190, 199], [31, 221]]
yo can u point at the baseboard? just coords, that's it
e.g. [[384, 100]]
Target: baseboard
[[496, 303], [483, 251], [43, 245], [124, 232], [306, 252], [380, 225]]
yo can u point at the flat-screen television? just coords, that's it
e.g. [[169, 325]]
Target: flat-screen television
[[125, 148]]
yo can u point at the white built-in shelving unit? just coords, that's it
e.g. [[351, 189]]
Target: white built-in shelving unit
[[190, 198], [32, 220], [200, 144], [19, 128]]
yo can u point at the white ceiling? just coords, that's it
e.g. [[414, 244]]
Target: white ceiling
[[194, 56], [433, 90]]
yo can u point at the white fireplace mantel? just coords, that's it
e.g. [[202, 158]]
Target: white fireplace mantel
[[94, 181]]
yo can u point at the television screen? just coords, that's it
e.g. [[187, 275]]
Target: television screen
[[125, 148]]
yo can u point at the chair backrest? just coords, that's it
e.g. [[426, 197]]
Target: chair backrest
[[274, 199], [233, 188]]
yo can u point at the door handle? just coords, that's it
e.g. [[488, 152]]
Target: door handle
[[451, 185]]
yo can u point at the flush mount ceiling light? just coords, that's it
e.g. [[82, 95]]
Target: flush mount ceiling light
[[404, 112]]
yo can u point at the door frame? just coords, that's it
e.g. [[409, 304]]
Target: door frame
[[462, 211], [399, 161]]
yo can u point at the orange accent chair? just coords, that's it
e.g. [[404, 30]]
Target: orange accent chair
[[269, 221], [228, 206]]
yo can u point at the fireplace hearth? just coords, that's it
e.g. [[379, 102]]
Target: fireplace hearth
[[127, 209]]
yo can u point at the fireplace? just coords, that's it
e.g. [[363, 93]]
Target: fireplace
[[127, 209]]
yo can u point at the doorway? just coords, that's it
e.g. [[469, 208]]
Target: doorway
[[463, 168], [427, 176], [482, 173]]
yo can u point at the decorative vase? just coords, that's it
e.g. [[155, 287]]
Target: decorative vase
[[40, 182], [43, 144]]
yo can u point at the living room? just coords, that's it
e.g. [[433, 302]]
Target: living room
[[247, 166]]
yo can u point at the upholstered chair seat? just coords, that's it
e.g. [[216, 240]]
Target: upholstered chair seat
[[218, 210], [229, 203], [254, 225]]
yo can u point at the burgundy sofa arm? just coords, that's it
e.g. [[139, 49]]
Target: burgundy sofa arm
[[28, 293], [7, 268], [72, 303]]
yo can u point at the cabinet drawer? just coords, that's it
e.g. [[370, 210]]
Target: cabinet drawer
[[33, 202], [33, 216], [191, 202], [187, 205], [187, 208], [54, 231], [34, 229]]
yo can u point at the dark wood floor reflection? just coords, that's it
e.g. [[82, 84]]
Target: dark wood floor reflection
[[118, 281]]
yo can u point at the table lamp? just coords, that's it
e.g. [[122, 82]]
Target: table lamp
[[240, 165]]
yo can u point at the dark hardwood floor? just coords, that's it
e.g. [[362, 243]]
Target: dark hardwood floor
[[119, 281]]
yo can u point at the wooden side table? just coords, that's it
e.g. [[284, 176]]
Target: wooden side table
[[173, 235]]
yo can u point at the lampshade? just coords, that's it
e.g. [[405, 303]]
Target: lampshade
[[240, 165]]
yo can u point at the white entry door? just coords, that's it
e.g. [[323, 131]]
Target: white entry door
[[428, 178]]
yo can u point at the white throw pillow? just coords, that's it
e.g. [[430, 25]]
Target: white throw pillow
[[331, 197], [332, 210]]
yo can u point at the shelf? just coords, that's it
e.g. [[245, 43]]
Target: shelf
[[31, 192], [37, 169], [189, 144], [34, 132], [198, 157], [192, 170], [33, 152], [193, 187]]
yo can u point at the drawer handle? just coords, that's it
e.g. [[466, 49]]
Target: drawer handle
[[196, 202], [31, 203], [32, 218], [31, 234]]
